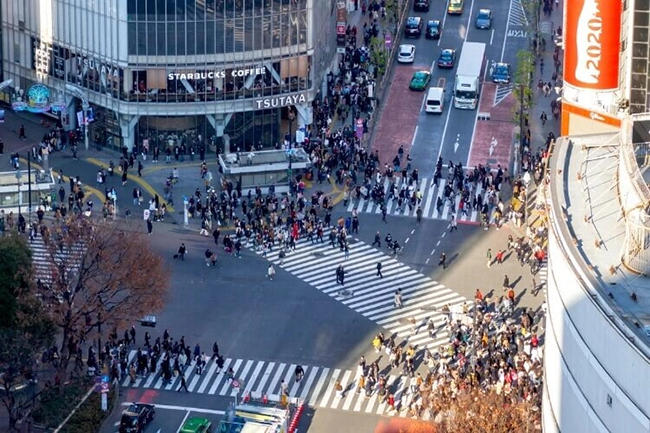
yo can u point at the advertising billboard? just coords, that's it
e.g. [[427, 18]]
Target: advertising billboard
[[592, 42]]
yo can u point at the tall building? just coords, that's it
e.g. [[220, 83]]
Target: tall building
[[235, 72], [596, 352]]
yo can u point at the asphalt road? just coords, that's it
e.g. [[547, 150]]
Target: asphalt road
[[289, 321], [436, 135]]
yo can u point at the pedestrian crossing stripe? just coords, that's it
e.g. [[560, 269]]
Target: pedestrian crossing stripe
[[431, 191], [517, 14], [371, 296], [44, 260], [264, 378]]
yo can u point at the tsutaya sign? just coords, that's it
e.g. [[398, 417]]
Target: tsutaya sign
[[207, 75], [280, 101]]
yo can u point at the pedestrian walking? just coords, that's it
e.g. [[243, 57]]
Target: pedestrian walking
[[379, 270], [149, 226], [500, 256], [398, 299], [418, 214], [339, 389], [284, 388], [506, 282], [443, 261], [182, 250], [21, 133], [140, 168], [270, 272], [414, 325], [183, 384], [340, 275], [346, 251], [489, 257], [383, 214], [453, 225], [377, 240], [300, 373]]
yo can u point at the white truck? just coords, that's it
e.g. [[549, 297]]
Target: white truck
[[467, 86]]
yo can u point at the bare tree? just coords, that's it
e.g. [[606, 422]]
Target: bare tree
[[475, 410], [98, 274]]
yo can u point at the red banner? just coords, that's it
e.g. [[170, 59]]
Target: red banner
[[592, 38]]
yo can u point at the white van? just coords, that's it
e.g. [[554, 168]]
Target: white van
[[435, 102]]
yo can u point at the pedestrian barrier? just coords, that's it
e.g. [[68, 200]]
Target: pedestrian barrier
[[296, 418]]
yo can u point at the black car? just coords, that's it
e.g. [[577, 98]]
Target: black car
[[434, 29], [413, 28], [136, 417], [421, 5]]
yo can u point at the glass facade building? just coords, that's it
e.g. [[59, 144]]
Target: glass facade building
[[235, 73]]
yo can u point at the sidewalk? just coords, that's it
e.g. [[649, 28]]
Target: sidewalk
[[541, 104]]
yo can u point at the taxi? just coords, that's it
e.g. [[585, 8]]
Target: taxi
[[455, 7], [420, 80], [196, 424]]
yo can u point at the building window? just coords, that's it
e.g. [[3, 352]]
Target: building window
[[17, 53]]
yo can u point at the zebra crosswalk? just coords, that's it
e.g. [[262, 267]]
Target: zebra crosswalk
[[258, 378], [369, 295], [430, 191], [45, 261]]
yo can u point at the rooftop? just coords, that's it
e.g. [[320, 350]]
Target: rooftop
[[13, 178], [264, 157], [585, 193]]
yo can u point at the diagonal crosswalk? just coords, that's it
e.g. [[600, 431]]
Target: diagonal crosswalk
[[517, 15], [258, 378], [45, 263], [431, 191], [366, 293]]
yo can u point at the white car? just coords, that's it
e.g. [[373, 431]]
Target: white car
[[406, 53]]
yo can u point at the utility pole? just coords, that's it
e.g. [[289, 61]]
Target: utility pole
[[521, 119], [29, 185]]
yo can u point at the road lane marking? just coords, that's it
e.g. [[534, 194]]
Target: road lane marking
[[444, 129], [492, 37], [415, 133], [182, 422], [505, 34], [184, 408]]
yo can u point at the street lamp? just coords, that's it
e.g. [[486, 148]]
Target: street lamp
[[291, 116]]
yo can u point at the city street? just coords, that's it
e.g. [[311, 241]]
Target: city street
[[304, 317]]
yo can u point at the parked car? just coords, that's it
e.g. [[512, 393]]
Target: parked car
[[447, 58], [406, 53], [413, 28], [421, 5], [483, 19], [420, 80], [455, 7], [196, 424], [434, 29], [501, 73]]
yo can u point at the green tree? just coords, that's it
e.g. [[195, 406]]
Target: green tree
[[523, 81], [15, 273], [25, 328], [379, 55]]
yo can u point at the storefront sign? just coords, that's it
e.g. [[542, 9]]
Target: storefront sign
[[280, 101], [208, 75], [37, 100], [592, 43], [64, 64]]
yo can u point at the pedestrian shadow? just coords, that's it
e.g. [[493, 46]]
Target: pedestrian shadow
[[520, 296], [516, 281], [452, 259], [489, 294], [507, 256]]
